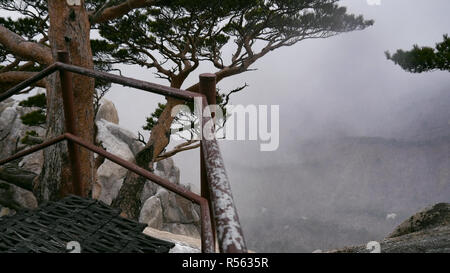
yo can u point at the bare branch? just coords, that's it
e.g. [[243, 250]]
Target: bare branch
[[180, 148], [227, 97]]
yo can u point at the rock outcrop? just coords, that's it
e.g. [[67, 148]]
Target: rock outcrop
[[425, 232], [12, 130], [161, 209], [107, 111]]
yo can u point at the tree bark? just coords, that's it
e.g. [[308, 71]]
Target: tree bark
[[70, 31], [120, 10], [128, 198], [25, 49], [11, 78]]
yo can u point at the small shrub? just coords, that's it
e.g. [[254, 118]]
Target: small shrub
[[30, 138], [34, 118], [38, 100]]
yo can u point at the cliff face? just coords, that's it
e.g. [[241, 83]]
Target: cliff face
[[343, 191], [427, 231], [161, 209]]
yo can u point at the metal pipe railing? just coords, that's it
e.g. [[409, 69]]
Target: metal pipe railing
[[207, 87], [130, 82], [71, 125], [33, 149], [215, 183], [229, 231], [28, 82], [206, 232]]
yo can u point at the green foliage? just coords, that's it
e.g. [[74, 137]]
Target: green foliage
[[39, 100], [34, 118], [30, 138], [153, 119], [37, 117], [173, 37], [178, 34], [424, 59], [31, 25], [187, 121]]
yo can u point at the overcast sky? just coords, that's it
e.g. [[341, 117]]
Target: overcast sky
[[342, 84]]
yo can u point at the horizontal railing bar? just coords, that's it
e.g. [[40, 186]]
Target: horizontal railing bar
[[133, 167], [225, 212], [207, 237], [33, 149], [130, 82], [28, 82]]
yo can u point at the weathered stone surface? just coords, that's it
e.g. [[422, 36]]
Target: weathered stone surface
[[177, 209], [110, 175], [16, 197], [161, 209], [190, 230], [6, 103], [425, 232], [4, 211], [183, 244], [435, 240], [437, 215], [125, 136], [167, 169], [12, 129], [107, 111], [33, 162], [151, 213]]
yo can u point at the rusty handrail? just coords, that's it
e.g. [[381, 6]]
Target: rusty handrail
[[206, 232], [28, 82], [130, 82], [229, 231]]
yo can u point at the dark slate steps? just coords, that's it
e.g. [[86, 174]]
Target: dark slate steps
[[97, 228]]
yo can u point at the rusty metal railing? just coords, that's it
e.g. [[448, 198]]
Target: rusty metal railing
[[216, 190]]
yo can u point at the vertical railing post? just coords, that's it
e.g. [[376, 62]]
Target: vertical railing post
[[207, 88], [70, 124]]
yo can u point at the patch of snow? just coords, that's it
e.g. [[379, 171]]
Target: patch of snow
[[391, 216], [180, 248]]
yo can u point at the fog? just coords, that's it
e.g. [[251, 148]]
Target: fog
[[357, 133], [359, 137]]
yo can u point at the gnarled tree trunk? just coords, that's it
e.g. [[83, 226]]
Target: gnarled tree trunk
[[70, 31], [129, 197]]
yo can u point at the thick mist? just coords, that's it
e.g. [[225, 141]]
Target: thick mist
[[359, 137]]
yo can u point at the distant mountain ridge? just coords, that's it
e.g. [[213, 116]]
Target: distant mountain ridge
[[351, 183]]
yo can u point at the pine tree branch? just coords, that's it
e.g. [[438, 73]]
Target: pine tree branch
[[25, 49], [180, 148], [12, 78], [110, 13]]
